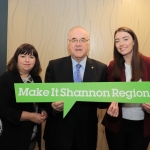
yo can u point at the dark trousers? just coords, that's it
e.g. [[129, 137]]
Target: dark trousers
[[48, 146], [130, 136], [79, 143]]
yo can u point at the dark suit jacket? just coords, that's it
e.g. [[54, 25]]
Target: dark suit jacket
[[16, 134], [80, 124], [114, 123]]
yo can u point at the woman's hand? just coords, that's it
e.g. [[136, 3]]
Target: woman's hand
[[37, 118], [44, 113], [33, 117], [113, 109], [146, 107], [58, 106]]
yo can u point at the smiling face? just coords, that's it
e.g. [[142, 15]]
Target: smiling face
[[25, 63], [78, 43], [124, 43]]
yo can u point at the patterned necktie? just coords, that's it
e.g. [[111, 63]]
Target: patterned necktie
[[77, 75]]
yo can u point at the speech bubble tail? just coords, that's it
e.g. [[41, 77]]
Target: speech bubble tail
[[67, 106]]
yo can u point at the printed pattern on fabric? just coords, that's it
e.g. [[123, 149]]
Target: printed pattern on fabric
[[1, 127], [77, 75]]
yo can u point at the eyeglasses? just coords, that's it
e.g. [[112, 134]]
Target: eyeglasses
[[81, 41]]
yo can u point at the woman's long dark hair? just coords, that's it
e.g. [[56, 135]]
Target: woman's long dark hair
[[25, 49], [136, 62]]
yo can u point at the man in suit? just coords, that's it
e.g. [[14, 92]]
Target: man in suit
[[78, 130]]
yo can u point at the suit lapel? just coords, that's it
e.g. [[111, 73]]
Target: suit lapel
[[68, 73], [89, 70]]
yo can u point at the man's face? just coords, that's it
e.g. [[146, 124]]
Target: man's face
[[78, 43]]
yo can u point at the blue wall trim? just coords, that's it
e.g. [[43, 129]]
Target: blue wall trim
[[3, 34]]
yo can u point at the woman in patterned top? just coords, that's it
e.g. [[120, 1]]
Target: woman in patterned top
[[20, 122]]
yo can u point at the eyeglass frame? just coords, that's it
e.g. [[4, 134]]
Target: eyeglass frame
[[80, 41]]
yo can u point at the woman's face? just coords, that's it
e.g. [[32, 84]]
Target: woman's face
[[124, 43], [25, 63]]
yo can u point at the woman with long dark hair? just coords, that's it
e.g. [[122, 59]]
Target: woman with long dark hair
[[127, 126]]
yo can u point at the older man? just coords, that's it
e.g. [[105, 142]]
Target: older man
[[78, 130]]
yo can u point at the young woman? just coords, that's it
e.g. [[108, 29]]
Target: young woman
[[127, 126], [20, 122]]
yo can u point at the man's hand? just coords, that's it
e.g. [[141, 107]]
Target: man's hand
[[58, 106]]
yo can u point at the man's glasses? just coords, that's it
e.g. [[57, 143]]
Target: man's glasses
[[81, 41]]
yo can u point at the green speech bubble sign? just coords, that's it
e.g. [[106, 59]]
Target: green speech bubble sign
[[123, 92]]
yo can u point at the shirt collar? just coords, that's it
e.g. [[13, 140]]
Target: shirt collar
[[83, 62]]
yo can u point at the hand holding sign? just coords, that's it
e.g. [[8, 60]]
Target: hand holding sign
[[146, 107], [58, 106], [113, 109]]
